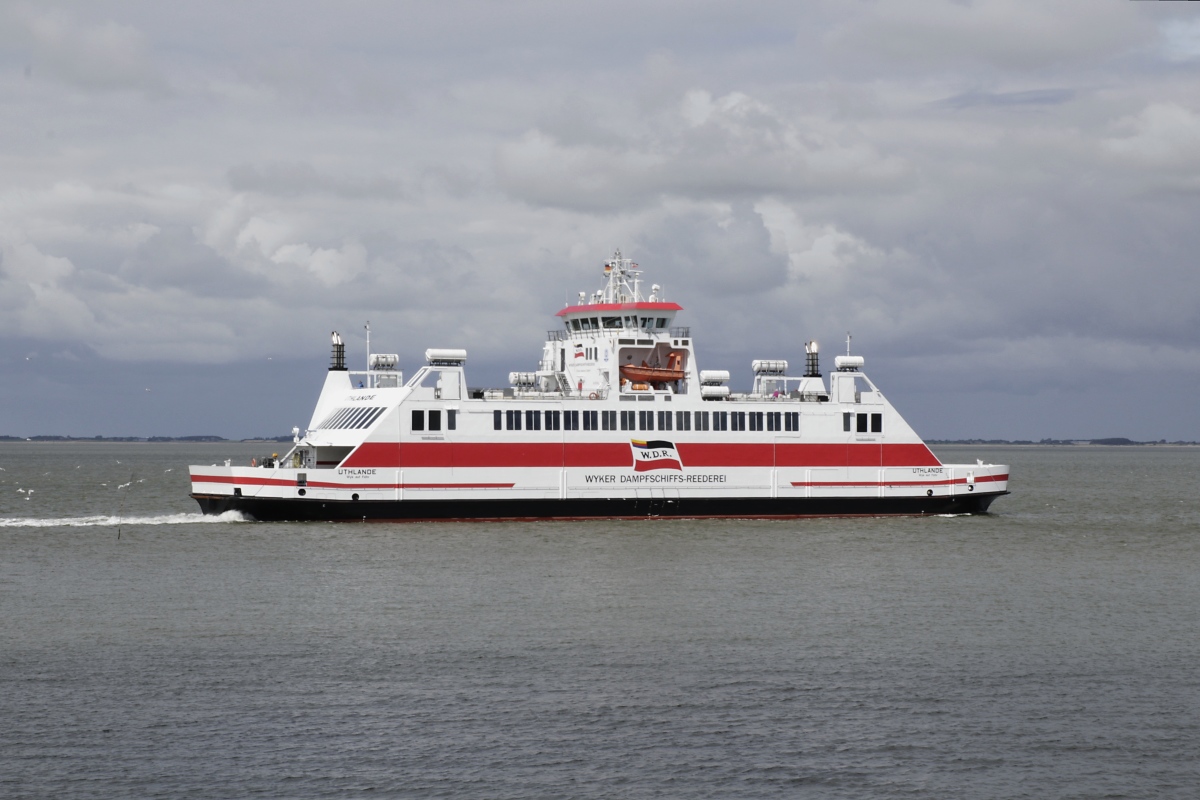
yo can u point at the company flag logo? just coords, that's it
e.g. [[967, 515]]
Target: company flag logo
[[658, 454], [579, 351]]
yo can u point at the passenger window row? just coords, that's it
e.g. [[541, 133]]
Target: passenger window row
[[433, 422], [533, 419], [860, 422]]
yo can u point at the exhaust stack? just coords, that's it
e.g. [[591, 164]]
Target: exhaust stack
[[338, 363], [811, 368]]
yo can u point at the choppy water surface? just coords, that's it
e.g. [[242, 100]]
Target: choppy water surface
[[1046, 650]]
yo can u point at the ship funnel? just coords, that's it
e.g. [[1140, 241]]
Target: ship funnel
[[338, 360], [811, 368]]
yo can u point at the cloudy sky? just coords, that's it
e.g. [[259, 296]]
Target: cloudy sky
[[997, 199]]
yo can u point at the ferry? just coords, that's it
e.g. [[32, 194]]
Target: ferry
[[618, 421]]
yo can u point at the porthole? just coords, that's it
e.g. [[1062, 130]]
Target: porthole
[[302, 492], [354, 496], [929, 492]]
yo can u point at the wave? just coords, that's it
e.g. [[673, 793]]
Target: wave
[[111, 521]]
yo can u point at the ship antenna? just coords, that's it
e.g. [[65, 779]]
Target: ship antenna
[[847, 342], [368, 327]]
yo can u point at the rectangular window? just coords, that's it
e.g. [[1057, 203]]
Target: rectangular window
[[418, 420], [701, 420], [645, 420], [533, 420], [451, 420], [497, 419], [627, 420], [661, 322], [592, 418], [877, 423], [739, 420], [720, 420], [553, 420], [609, 418], [846, 419], [862, 423], [512, 419], [571, 420], [664, 420], [683, 420], [792, 420], [435, 420], [756, 420]]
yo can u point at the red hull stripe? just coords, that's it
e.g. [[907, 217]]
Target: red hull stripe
[[956, 481], [616, 454]]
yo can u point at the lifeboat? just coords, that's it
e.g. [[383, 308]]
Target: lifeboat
[[648, 374]]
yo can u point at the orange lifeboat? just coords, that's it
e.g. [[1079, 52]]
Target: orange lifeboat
[[647, 374]]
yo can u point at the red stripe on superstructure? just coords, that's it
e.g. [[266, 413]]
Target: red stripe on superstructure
[[616, 454], [332, 485], [601, 307]]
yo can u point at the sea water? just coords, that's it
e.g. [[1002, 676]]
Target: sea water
[[1048, 649]]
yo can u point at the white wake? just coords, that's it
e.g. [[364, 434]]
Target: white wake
[[111, 520]]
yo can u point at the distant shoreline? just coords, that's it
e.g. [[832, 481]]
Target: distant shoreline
[[1109, 442]]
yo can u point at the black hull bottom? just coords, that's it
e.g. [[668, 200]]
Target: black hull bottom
[[295, 509]]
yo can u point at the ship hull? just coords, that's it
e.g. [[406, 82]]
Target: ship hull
[[278, 509]]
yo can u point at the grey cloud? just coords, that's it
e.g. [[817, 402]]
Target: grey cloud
[[997, 198], [294, 179], [1028, 97], [102, 55]]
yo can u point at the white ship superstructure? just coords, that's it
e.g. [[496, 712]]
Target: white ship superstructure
[[616, 421]]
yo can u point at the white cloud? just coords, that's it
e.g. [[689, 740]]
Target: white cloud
[[1162, 135]]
